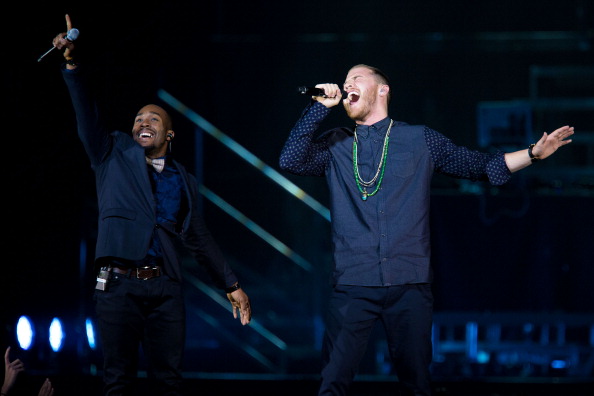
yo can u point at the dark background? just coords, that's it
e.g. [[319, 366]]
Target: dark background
[[516, 256]]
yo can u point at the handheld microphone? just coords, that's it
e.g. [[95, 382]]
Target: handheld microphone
[[70, 36], [313, 91]]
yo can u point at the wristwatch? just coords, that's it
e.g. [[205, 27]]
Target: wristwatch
[[231, 289]]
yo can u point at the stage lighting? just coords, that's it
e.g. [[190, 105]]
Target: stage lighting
[[90, 333], [25, 332], [56, 334], [559, 364], [483, 357]]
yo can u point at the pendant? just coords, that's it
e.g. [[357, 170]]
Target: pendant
[[364, 195]]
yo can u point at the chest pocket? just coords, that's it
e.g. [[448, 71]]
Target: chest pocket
[[401, 164]]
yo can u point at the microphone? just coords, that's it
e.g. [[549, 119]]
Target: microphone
[[313, 91], [70, 36]]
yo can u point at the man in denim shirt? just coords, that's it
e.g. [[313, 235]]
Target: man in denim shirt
[[379, 176]]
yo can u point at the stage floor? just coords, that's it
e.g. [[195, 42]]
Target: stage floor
[[91, 386]]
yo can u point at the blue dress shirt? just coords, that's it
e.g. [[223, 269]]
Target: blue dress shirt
[[168, 189], [383, 240]]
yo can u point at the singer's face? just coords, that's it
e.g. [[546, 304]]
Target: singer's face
[[362, 88], [150, 129]]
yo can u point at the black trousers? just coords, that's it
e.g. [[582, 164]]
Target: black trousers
[[406, 314], [134, 312]]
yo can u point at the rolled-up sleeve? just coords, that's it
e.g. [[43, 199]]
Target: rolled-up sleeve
[[463, 163]]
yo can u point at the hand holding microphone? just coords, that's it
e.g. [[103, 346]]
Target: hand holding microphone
[[64, 40], [327, 94], [314, 91]]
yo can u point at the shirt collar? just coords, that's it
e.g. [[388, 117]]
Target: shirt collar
[[380, 128], [157, 163]]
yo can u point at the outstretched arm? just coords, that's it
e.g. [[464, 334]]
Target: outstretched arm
[[92, 130], [546, 146]]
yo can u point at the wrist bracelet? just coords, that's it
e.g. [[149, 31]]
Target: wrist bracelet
[[231, 289], [533, 157], [71, 61]]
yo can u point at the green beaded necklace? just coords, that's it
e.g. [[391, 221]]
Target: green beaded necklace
[[362, 184]]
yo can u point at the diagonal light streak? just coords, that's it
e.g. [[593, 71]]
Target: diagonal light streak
[[245, 154], [255, 228], [254, 324]]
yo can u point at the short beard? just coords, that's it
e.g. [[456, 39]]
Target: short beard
[[363, 112]]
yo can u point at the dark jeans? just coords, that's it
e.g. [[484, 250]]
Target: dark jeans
[[149, 312], [406, 314]]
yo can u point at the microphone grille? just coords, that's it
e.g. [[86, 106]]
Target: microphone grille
[[72, 34]]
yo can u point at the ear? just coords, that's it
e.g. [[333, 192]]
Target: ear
[[384, 90], [170, 135]]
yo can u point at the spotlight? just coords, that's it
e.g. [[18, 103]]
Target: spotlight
[[483, 357], [90, 333], [559, 364], [56, 334], [25, 332]]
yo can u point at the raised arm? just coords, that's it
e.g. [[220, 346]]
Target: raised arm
[[61, 43], [11, 372], [91, 129]]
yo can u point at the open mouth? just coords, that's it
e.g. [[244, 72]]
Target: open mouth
[[144, 134], [353, 96]]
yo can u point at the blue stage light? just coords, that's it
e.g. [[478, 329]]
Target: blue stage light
[[90, 333], [56, 334], [558, 364], [25, 332], [483, 357]]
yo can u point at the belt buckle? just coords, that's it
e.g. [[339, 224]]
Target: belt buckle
[[150, 272]]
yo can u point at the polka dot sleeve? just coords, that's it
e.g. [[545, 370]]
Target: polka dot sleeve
[[463, 163], [302, 155]]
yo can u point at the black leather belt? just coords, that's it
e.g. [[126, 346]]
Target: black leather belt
[[143, 273]]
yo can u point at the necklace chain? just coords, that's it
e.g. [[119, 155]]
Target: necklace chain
[[379, 174]]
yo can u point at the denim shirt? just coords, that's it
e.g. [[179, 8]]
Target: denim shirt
[[384, 239]]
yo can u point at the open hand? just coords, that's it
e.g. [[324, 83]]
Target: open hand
[[549, 143]]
